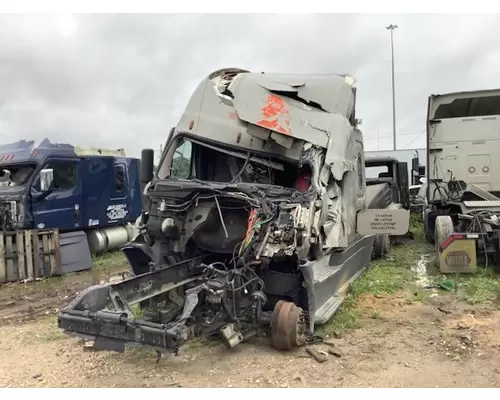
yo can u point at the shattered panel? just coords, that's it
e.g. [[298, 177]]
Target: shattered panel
[[276, 103], [244, 109], [340, 154], [329, 92], [211, 115], [257, 105]]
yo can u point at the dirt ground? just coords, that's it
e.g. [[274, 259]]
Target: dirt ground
[[401, 342]]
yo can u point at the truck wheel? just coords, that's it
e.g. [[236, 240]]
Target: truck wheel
[[427, 232], [386, 244], [378, 247], [442, 230], [287, 326]]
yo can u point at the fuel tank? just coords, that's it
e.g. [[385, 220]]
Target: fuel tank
[[107, 239]]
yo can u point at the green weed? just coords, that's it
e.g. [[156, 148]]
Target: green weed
[[107, 260], [483, 286], [345, 319], [417, 227], [386, 276]]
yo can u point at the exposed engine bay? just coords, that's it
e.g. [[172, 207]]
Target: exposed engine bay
[[12, 180], [251, 221], [10, 218], [16, 174], [230, 258]]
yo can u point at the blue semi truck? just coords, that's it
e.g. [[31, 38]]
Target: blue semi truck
[[89, 197]]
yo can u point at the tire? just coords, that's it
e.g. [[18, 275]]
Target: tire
[[386, 244], [378, 247], [442, 230], [427, 232]]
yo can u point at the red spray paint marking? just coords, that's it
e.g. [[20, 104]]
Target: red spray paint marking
[[275, 110]]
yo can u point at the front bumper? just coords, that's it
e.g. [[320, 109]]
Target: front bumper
[[102, 313], [114, 331]]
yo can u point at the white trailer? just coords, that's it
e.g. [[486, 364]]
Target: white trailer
[[463, 214]]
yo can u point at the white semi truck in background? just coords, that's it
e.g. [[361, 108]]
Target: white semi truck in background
[[463, 141]]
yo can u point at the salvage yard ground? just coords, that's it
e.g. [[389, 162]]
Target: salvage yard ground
[[390, 332]]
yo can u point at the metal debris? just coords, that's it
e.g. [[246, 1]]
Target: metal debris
[[320, 357]]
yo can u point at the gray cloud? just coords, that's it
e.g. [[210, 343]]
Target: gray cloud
[[123, 80]]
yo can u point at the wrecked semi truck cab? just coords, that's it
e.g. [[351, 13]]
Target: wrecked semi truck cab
[[253, 219], [88, 196]]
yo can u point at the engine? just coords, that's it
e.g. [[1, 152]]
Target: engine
[[228, 264], [11, 215]]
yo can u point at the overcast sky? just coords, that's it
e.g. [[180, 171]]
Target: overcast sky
[[123, 80]]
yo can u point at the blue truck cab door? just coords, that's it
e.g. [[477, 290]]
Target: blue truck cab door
[[56, 203], [118, 204]]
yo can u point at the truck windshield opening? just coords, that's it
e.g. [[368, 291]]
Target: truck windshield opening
[[209, 163], [16, 174]]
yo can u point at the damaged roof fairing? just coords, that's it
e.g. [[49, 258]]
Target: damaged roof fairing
[[247, 109], [212, 116], [331, 93], [281, 107]]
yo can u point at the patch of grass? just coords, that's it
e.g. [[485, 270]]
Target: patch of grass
[[417, 227], [345, 319], [107, 260], [137, 311], [482, 287], [384, 277], [392, 273], [419, 294]]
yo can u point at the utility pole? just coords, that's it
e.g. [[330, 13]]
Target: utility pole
[[391, 29]]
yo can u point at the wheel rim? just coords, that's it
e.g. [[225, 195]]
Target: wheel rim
[[287, 326]]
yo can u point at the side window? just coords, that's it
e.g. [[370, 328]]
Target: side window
[[182, 160], [119, 173], [64, 175]]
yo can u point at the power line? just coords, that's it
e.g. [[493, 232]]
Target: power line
[[416, 132], [418, 137], [409, 132]]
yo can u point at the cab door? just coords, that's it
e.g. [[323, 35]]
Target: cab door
[[58, 205]]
